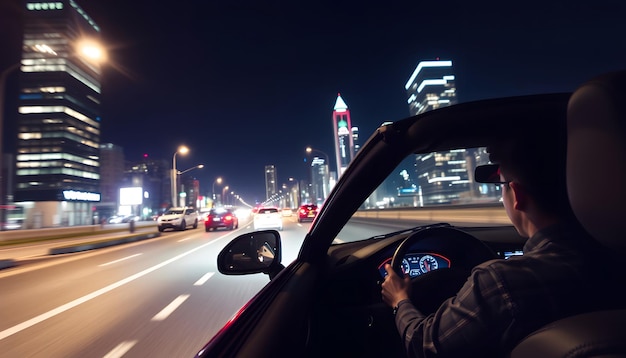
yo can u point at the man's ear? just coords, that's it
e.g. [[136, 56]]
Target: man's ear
[[520, 197]]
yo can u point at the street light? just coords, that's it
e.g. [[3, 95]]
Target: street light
[[178, 173], [224, 190], [199, 166], [309, 150], [182, 150], [218, 181]]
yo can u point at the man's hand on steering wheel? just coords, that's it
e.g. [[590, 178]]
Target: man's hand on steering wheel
[[395, 288]]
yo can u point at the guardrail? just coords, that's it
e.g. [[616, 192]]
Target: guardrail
[[462, 214], [477, 214], [68, 231]]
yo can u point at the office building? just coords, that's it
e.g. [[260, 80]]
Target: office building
[[111, 179], [271, 182], [442, 177], [151, 178], [320, 185], [57, 155], [431, 86], [355, 139]]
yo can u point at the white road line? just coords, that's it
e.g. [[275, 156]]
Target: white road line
[[121, 349], [185, 239], [122, 259], [170, 308], [204, 279], [44, 316]]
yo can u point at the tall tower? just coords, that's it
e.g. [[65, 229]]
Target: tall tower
[[344, 142], [271, 182], [442, 177], [319, 181], [431, 86], [57, 161]]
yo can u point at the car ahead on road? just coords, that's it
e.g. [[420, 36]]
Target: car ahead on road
[[327, 302], [286, 212], [220, 218], [178, 218], [267, 218], [307, 212]]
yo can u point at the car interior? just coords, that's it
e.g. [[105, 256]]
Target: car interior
[[596, 125], [330, 304], [595, 114]]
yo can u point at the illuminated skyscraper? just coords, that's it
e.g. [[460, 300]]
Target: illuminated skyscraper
[[355, 139], [319, 180], [271, 182], [57, 160], [431, 86], [442, 177], [344, 142]]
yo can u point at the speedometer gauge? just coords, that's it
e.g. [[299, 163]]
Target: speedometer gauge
[[428, 263], [406, 267]]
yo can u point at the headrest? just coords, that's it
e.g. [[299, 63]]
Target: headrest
[[596, 157]]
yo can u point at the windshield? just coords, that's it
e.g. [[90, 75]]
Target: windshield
[[435, 179], [426, 189], [174, 212]]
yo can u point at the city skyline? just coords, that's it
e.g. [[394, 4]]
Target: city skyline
[[257, 83]]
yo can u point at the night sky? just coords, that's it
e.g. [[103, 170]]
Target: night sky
[[244, 84]]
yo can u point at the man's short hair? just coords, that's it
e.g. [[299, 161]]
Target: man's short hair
[[537, 162]]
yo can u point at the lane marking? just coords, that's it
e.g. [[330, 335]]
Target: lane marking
[[121, 349], [170, 308], [185, 239], [122, 259], [204, 279], [44, 316]]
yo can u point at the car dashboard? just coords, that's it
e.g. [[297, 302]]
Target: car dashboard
[[416, 264]]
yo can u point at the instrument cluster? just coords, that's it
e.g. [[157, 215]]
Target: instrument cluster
[[416, 264]]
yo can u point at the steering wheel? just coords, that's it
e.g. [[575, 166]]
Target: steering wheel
[[429, 290]]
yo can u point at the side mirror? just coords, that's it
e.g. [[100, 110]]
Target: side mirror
[[254, 252]]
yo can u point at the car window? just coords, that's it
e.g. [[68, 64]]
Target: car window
[[268, 211], [431, 187]]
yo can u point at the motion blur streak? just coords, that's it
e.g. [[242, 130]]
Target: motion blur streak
[[170, 308], [121, 349], [204, 279], [120, 260], [42, 317]]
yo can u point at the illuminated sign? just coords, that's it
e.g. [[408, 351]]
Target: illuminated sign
[[131, 196], [407, 191], [80, 195]]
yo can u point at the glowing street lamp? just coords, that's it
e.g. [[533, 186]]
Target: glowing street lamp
[[199, 166], [182, 150], [222, 199], [178, 173], [218, 181], [309, 150]]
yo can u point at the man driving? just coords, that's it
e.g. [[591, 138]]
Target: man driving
[[562, 272]]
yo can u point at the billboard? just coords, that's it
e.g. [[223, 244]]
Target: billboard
[[131, 196]]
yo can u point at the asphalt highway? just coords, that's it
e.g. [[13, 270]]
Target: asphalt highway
[[159, 297]]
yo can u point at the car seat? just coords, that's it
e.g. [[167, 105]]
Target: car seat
[[596, 170]]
